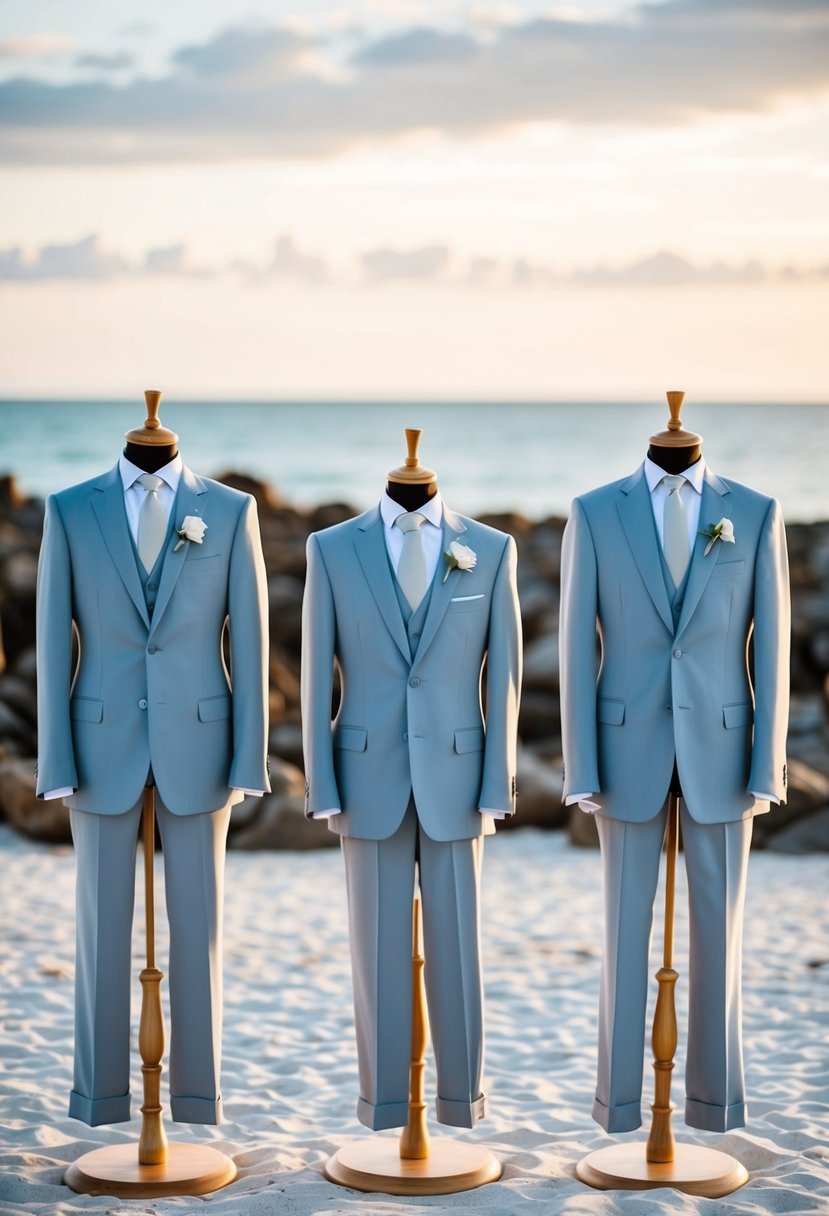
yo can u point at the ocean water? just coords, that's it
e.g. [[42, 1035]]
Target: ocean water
[[531, 458]]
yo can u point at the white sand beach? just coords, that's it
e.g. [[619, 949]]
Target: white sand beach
[[290, 1078]]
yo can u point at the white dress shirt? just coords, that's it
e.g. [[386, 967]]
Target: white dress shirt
[[134, 496], [691, 494], [432, 540]]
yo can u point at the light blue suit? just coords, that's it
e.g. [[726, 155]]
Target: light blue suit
[[150, 696], [673, 686], [409, 760]]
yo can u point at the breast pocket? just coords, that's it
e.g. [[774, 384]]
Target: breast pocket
[[728, 569], [468, 603]]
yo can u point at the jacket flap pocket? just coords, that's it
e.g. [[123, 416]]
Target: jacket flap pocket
[[611, 712], [737, 715], [351, 738], [86, 709], [469, 740], [211, 709], [724, 566]]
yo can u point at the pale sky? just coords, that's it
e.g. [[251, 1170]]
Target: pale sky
[[401, 199]]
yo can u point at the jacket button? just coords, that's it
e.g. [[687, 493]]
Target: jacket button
[[142, 704], [677, 654], [152, 648], [414, 682], [405, 736], [670, 708]]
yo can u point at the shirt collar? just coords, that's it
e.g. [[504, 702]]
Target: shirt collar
[[170, 473], [432, 510], [694, 474]]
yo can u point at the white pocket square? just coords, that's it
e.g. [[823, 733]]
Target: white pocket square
[[459, 599]]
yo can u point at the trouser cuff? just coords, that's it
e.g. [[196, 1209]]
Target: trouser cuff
[[196, 1110], [624, 1118], [386, 1114], [95, 1111], [460, 1114], [711, 1118]]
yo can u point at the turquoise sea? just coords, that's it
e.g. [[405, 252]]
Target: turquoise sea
[[488, 456]]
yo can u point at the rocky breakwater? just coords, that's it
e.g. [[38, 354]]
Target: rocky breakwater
[[277, 821]]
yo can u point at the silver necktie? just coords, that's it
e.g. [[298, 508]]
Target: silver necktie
[[411, 570], [675, 530], [152, 521]]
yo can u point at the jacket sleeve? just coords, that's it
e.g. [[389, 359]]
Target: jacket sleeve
[[772, 644], [248, 613], [577, 656], [317, 681], [503, 688], [56, 758]]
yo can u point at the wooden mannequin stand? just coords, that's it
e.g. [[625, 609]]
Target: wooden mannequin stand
[[662, 1162], [156, 1168], [414, 1165]]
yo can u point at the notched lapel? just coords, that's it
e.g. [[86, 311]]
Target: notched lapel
[[189, 501], [370, 544], [636, 514], [108, 504], [711, 510], [442, 591]]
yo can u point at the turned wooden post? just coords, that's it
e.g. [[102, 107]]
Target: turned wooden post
[[661, 1147], [414, 1139], [152, 1145]]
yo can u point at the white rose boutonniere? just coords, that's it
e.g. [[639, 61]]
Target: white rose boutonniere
[[192, 528], [459, 557], [724, 530]]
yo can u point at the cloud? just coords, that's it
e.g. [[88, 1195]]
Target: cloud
[[417, 46], [105, 63], [279, 91], [665, 269], [84, 259], [91, 259], [383, 265], [254, 54], [36, 46]]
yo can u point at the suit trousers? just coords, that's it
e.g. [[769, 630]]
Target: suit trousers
[[716, 861], [105, 850], [380, 879]]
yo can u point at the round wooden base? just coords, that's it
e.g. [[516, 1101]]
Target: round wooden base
[[191, 1169], [694, 1170], [376, 1165]]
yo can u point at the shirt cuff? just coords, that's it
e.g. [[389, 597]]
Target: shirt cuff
[[327, 813], [65, 791], [586, 802], [761, 797], [248, 793], [486, 810]]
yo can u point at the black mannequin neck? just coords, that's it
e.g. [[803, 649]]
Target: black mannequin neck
[[674, 460], [148, 457], [411, 496]]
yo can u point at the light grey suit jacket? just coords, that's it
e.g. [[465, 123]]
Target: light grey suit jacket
[[666, 690], [410, 725], [151, 692]]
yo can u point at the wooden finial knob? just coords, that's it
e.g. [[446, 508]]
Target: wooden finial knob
[[675, 399], [152, 433], [675, 436], [153, 398], [412, 443], [412, 471]]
